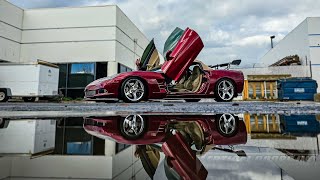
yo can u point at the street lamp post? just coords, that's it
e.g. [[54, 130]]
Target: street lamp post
[[271, 38]]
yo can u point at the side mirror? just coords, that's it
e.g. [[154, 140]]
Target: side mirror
[[168, 57], [236, 62]]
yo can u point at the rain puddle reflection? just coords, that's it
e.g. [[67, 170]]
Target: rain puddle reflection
[[226, 146]]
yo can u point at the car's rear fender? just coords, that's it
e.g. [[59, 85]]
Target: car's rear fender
[[235, 76]]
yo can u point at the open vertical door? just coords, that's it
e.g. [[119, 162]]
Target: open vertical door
[[182, 56]]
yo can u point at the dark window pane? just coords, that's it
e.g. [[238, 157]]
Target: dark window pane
[[62, 75], [122, 68], [102, 69], [80, 80], [75, 93], [72, 139], [120, 147], [98, 146], [80, 75]]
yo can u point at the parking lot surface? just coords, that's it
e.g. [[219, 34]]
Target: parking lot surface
[[13, 109]]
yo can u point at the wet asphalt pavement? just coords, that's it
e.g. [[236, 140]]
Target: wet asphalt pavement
[[80, 109]]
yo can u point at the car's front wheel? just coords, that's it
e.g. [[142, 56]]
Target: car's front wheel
[[133, 90], [225, 90], [133, 126]]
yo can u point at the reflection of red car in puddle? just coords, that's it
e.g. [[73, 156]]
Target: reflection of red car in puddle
[[176, 133], [141, 129]]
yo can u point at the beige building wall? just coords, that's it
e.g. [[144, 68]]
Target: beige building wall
[[11, 18], [68, 35]]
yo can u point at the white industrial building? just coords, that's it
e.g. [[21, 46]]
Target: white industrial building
[[303, 41], [86, 42]]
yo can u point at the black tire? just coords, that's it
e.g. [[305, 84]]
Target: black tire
[[218, 98], [29, 99], [219, 125], [3, 96], [192, 100], [129, 135], [122, 90]]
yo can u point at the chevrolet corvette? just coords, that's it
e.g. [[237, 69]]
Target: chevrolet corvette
[[181, 76]]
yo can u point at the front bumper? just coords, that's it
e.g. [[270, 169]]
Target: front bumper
[[97, 94]]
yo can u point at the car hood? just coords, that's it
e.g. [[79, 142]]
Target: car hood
[[99, 81]]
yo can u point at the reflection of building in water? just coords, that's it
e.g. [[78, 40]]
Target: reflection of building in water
[[262, 123], [288, 132], [76, 154]]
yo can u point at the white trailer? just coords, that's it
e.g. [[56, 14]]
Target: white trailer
[[28, 81], [27, 137]]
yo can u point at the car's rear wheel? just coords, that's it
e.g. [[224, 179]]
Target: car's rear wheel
[[224, 91], [133, 126], [192, 100], [3, 96], [133, 90], [29, 99], [227, 124]]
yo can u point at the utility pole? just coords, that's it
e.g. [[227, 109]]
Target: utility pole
[[271, 38]]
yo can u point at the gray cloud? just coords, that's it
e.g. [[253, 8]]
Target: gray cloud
[[230, 28]]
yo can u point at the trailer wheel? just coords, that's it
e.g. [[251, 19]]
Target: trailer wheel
[[29, 99], [3, 96]]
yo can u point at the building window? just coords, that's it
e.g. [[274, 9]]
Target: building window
[[74, 77], [120, 147], [72, 139], [82, 68], [63, 71], [123, 68], [81, 75]]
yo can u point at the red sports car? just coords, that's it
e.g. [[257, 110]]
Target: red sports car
[[180, 76]]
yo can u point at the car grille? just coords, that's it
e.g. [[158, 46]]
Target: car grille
[[90, 93]]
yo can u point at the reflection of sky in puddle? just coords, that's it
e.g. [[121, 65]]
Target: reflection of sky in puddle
[[223, 146]]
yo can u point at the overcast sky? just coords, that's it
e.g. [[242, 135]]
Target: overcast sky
[[230, 28]]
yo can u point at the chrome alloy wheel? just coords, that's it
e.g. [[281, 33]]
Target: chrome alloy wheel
[[133, 125], [134, 90], [227, 124], [226, 90]]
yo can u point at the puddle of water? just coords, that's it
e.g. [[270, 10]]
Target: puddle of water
[[230, 146]]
